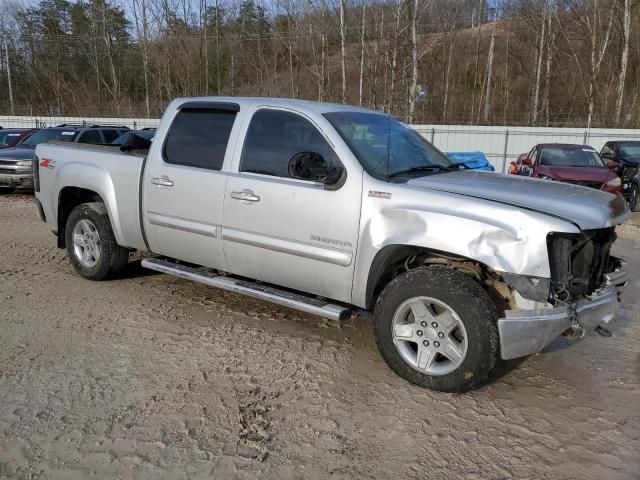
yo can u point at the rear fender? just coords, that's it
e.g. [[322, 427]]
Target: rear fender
[[90, 177]]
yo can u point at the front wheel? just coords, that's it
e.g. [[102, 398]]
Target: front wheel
[[91, 244], [634, 198], [437, 328]]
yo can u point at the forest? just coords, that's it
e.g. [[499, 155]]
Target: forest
[[477, 62]]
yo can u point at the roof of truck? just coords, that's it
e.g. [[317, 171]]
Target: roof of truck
[[320, 107]]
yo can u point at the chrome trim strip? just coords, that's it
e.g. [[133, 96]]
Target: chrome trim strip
[[300, 249], [271, 294], [183, 224]]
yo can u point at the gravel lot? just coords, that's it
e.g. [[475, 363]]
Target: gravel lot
[[151, 376]]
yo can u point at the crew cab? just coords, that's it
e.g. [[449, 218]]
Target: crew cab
[[332, 209], [16, 163], [577, 164]]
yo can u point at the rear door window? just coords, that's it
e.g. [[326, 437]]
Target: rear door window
[[109, 135], [198, 137], [90, 136]]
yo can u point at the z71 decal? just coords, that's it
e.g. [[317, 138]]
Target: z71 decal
[[48, 163]]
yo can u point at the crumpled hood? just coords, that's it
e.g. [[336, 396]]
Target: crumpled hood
[[16, 154], [586, 207]]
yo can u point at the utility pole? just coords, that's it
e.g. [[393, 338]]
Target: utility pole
[[6, 53]]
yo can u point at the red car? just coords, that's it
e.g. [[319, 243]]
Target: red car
[[10, 137], [577, 164]]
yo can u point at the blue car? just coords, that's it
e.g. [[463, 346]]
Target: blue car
[[471, 160]]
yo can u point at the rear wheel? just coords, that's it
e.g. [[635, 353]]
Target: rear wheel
[[634, 203], [437, 328], [91, 244]]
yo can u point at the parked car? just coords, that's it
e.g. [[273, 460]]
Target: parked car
[[576, 164], [10, 137], [626, 155], [16, 169], [516, 167], [327, 209], [471, 160]]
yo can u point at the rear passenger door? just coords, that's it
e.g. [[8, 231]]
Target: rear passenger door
[[184, 184]]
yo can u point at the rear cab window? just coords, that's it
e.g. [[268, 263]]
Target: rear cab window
[[198, 137]]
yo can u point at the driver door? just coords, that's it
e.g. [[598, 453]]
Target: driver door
[[289, 232]]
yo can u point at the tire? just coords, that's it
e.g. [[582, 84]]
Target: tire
[[88, 231], [634, 204], [449, 363]]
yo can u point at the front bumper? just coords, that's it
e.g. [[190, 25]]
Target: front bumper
[[524, 332], [18, 179]]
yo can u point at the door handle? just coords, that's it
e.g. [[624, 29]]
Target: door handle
[[245, 195], [163, 181]]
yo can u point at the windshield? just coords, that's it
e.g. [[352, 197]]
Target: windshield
[[630, 152], [570, 157], [8, 138], [49, 135], [384, 146]]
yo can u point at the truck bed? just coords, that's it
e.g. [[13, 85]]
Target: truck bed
[[114, 175]]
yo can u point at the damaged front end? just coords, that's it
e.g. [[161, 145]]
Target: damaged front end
[[581, 295]]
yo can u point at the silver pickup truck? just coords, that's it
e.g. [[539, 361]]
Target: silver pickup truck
[[331, 209]]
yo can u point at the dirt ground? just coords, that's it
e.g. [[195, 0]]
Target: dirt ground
[[155, 377]]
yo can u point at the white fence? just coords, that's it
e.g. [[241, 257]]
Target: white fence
[[42, 121], [499, 144]]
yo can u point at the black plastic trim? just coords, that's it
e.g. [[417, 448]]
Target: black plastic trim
[[229, 106], [43, 217]]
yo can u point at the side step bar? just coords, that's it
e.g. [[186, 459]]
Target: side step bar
[[297, 301]]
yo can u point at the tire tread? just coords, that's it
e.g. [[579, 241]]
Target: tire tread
[[470, 301]]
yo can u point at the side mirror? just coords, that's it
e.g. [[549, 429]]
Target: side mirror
[[312, 166], [612, 165]]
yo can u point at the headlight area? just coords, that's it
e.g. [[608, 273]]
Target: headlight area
[[616, 182], [579, 262]]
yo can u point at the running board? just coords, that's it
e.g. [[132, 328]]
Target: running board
[[297, 301]]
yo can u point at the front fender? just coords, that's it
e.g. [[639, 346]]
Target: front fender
[[502, 237]]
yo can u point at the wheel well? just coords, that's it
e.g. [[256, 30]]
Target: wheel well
[[70, 198], [394, 260]]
